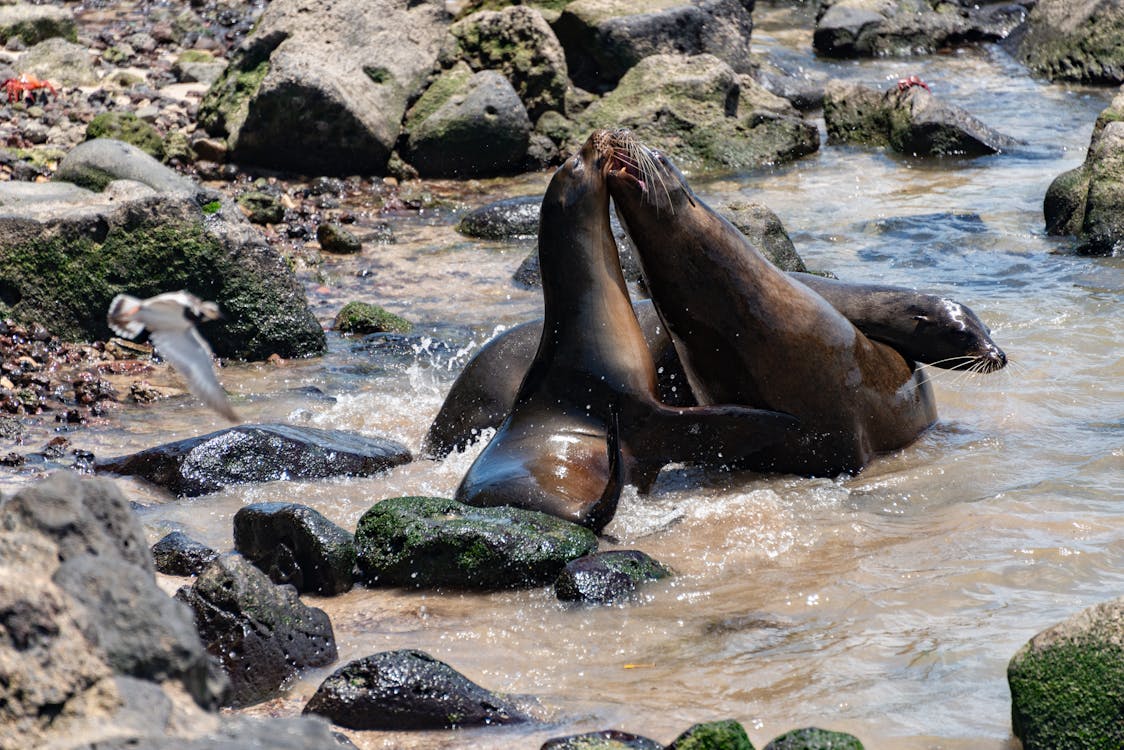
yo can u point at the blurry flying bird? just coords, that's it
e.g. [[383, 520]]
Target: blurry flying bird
[[170, 320]]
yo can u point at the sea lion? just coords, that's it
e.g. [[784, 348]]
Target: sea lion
[[925, 328], [586, 414], [747, 333]]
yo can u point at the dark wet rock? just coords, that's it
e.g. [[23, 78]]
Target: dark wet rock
[[702, 114], [765, 232], [408, 689], [467, 125], [235, 733], [60, 62], [143, 632], [295, 544], [365, 318], [876, 28], [177, 554], [257, 453], [519, 43], [510, 218], [322, 88], [1088, 202], [912, 121], [1066, 682], [811, 738], [261, 633], [333, 238], [608, 739], [261, 207], [127, 127], [606, 577], [1075, 40], [604, 39], [429, 542], [132, 239], [713, 735], [32, 24]]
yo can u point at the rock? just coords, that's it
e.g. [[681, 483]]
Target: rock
[[237, 733], [878, 28], [32, 24], [257, 453], [608, 739], [1088, 201], [261, 207], [467, 125], [606, 577], [132, 239], [407, 689], [60, 62], [198, 72], [702, 114], [428, 541], [177, 148], [210, 149], [764, 230], [911, 121], [604, 39], [333, 238], [713, 735], [127, 127], [178, 555], [1075, 40], [365, 318], [322, 88], [507, 219], [519, 43], [1066, 682], [812, 738], [295, 544], [261, 633]]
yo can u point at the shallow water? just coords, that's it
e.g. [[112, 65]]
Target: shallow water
[[886, 604]]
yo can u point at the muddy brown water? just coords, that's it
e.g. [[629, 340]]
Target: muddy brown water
[[886, 604]]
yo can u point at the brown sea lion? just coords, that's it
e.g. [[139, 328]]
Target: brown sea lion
[[747, 333], [587, 411]]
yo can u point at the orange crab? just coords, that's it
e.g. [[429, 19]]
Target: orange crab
[[904, 84], [25, 84]]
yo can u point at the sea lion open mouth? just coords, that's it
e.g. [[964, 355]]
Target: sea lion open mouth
[[632, 160]]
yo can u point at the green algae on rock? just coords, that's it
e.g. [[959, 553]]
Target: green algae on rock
[[127, 127], [813, 738], [713, 735], [363, 317]]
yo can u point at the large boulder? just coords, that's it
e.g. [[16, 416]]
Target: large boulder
[[262, 634], [322, 86], [32, 24], [408, 689], [875, 28], [702, 113], [604, 39], [1087, 202], [430, 541], [1075, 40], [65, 254], [257, 453], [911, 121], [295, 544], [1067, 682]]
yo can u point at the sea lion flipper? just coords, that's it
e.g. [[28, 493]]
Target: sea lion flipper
[[719, 434]]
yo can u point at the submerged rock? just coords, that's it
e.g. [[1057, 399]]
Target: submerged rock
[[295, 544], [1075, 40], [408, 689], [429, 541], [1066, 682], [912, 121], [713, 735], [606, 577], [333, 238], [262, 634], [811, 738], [257, 453], [176, 554], [607, 739]]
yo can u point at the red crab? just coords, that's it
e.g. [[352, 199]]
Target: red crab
[[904, 84], [25, 84]]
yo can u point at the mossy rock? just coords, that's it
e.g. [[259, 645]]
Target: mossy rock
[[226, 104], [1064, 204], [34, 23], [432, 542], [713, 735], [608, 739], [812, 738], [1075, 40], [363, 317], [334, 238], [127, 127], [607, 577], [262, 207]]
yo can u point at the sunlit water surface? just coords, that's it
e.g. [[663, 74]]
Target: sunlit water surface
[[886, 604]]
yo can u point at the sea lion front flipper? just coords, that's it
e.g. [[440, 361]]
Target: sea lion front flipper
[[719, 434]]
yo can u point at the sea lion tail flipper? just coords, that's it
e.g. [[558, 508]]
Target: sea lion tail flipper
[[602, 511], [719, 434]]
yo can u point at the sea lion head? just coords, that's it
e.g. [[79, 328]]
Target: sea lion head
[[640, 175], [583, 173], [953, 337]]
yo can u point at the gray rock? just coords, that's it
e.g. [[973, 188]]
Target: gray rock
[[295, 544], [322, 88], [467, 125], [176, 554], [237, 733], [507, 219], [32, 24], [198, 72], [765, 232], [1075, 40], [59, 61], [606, 577], [427, 542], [127, 127], [603, 39], [257, 453], [408, 689], [261, 633], [96, 163]]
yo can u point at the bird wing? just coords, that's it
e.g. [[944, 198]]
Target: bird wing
[[191, 356], [122, 313]]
